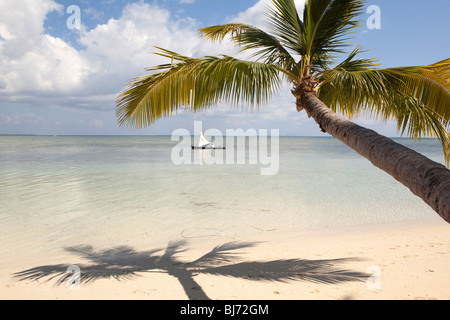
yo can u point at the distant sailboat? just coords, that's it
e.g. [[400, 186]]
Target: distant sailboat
[[205, 143]]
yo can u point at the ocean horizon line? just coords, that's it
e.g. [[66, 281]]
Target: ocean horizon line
[[168, 135]]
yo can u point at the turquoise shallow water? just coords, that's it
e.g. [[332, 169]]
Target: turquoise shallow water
[[108, 191]]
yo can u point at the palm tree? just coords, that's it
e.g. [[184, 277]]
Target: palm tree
[[302, 52]]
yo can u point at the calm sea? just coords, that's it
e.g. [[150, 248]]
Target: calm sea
[[109, 191]]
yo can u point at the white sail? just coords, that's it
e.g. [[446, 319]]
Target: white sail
[[203, 141]]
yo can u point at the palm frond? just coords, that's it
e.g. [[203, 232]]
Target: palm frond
[[352, 85], [194, 84], [284, 22], [327, 24], [428, 84], [417, 120], [352, 64], [267, 48], [220, 32], [403, 94]]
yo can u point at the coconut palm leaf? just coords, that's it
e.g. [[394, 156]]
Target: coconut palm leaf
[[403, 94], [418, 120], [327, 24], [360, 85], [195, 84], [220, 32], [266, 47], [428, 84], [285, 24], [341, 87]]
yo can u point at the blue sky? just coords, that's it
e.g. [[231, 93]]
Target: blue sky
[[60, 81]]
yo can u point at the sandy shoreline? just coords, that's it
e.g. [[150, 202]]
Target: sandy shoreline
[[395, 261]]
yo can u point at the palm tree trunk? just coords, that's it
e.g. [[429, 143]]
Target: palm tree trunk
[[427, 179]]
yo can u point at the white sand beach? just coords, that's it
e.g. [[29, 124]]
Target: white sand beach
[[392, 261]]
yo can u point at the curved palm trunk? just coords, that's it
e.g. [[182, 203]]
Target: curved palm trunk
[[425, 178]]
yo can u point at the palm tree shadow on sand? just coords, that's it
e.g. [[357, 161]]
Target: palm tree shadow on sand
[[124, 263]]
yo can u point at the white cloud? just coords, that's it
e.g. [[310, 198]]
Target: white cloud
[[126, 42], [22, 24], [30, 60], [256, 15], [122, 48], [35, 64]]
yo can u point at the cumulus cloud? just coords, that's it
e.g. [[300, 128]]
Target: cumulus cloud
[[22, 24], [33, 63], [29, 59], [121, 48], [256, 15]]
